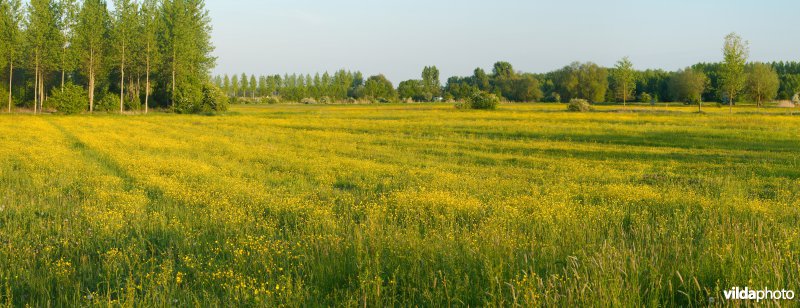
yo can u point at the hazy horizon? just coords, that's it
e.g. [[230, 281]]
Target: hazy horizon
[[399, 38]]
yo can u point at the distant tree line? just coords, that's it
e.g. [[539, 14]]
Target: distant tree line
[[731, 80], [140, 54]]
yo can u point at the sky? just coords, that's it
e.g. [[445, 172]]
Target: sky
[[399, 37]]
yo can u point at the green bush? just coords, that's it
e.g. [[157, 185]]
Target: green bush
[[108, 102], [646, 98], [270, 100], [579, 105], [214, 99], [133, 104], [554, 97], [72, 100], [484, 101]]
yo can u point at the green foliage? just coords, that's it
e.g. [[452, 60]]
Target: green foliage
[[72, 100], [214, 99], [11, 35], [380, 89], [624, 80], [581, 80], [415, 90], [134, 104], [210, 99], [646, 98], [482, 100], [108, 102], [90, 41], [432, 86], [579, 105], [186, 45], [789, 85], [732, 73], [688, 85], [762, 83], [554, 97], [270, 100]]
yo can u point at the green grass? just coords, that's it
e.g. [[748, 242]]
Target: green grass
[[399, 205]]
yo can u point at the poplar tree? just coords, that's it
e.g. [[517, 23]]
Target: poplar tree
[[430, 81], [732, 75], [149, 29], [92, 34], [125, 17], [245, 85], [11, 17], [235, 85], [253, 86], [262, 86], [762, 83], [624, 80], [42, 36], [68, 14], [186, 44], [226, 84]]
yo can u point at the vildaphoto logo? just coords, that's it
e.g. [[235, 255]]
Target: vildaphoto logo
[[758, 295]]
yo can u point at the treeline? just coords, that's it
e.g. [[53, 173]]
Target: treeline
[[729, 81], [578, 80], [79, 56], [341, 86]]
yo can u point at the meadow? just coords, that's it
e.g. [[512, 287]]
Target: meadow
[[399, 205]]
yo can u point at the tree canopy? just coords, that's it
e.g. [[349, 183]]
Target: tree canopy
[[166, 43]]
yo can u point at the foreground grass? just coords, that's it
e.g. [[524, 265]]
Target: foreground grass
[[419, 205]]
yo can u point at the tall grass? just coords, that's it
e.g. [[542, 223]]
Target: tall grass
[[418, 205]]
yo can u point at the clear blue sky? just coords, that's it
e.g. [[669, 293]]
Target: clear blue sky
[[398, 38]]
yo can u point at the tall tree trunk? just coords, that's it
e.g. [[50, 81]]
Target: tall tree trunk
[[174, 64], [42, 96], [91, 81], [63, 66], [147, 85], [122, 81], [138, 93], [10, 82], [36, 85], [730, 102]]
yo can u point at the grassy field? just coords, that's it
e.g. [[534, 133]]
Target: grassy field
[[399, 205]]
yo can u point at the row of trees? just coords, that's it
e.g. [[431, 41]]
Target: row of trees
[[340, 86], [731, 80], [153, 51]]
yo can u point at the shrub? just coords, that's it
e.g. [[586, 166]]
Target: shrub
[[483, 100], [133, 104], [308, 101], [214, 99], [463, 105], [646, 98], [73, 99], [553, 98], [107, 103], [270, 100], [796, 98], [579, 105]]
